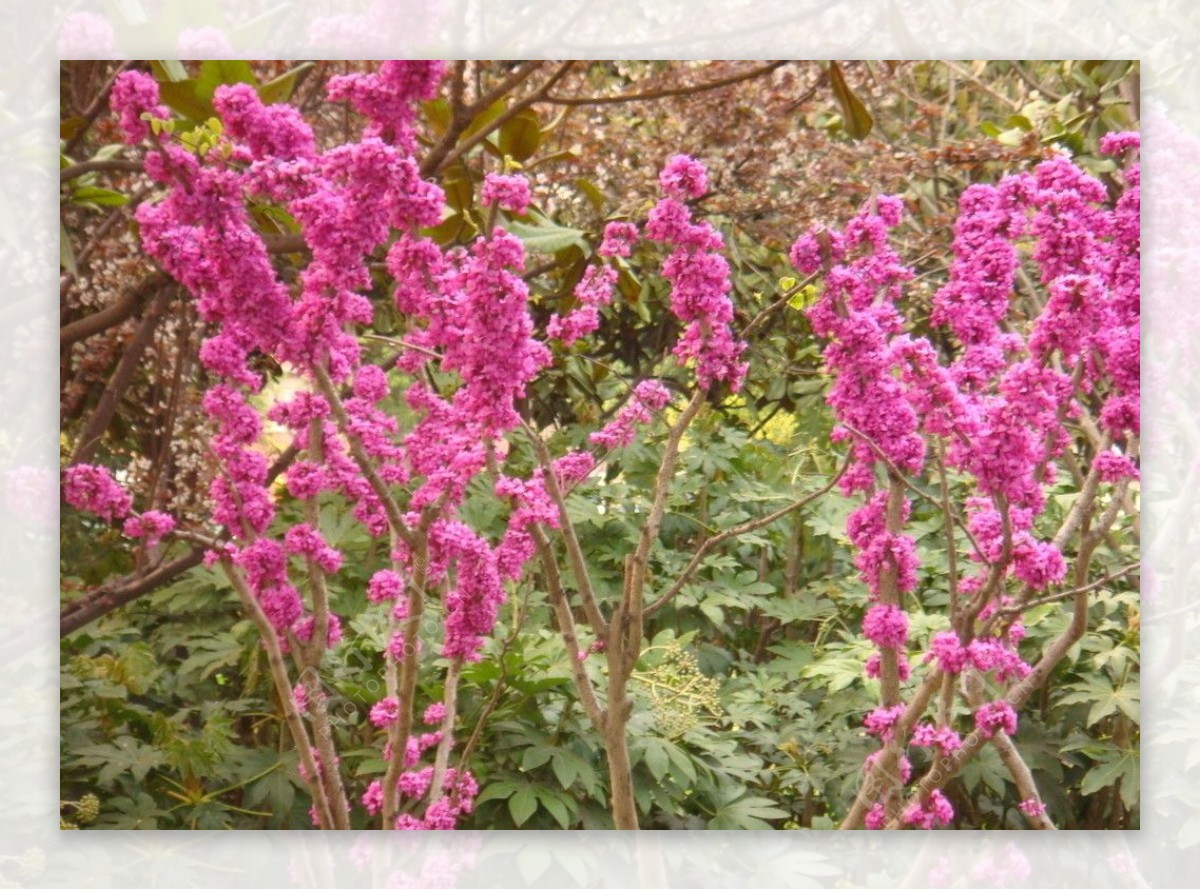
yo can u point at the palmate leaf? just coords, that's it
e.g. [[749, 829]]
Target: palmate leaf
[[748, 812], [1121, 767], [125, 754], [1105, 700]]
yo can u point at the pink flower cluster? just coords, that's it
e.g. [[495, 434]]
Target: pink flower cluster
[[936, 811], [996, 716], [388, 98], [648, 396], [945, 739], [93, 489], [699, 278], [510, 193], [886, 626], [153, 525]]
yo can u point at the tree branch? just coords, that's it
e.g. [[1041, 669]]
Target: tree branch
[[666, 92], [735, 532], [125, 306]]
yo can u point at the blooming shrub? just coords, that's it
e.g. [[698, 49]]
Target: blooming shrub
[[982, 409]]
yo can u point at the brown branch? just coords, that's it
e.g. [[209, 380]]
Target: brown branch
[[119, 383], [735, 532], [666, 92], [462, 114], [1067, 594], [946, 769], [94, 108], [566, 627], [475, 138], [106, 165], [124, 307], [1010, 756], [912, 713], [105, 599], [283, 687], [575, 558]]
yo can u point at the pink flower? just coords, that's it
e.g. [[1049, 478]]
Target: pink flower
[[683, 177], [949, 652], [133, 94], [509, 192], [996, 716], [372, 798], [874, 667], [619, 238], [946, 739], [876, 817], [935, 811], [882, 721], [385, 585], [93, 489], [152, 525], [385, 712], [1033, 807], [434, 714], [886, 626]]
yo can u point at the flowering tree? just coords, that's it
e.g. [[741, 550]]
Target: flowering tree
[[409, 446], [995, 419]]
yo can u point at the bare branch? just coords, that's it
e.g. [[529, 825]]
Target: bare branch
[[736, 532], [666, 92]]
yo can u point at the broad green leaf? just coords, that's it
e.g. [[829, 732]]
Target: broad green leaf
[[95, 196], [554, 805], [657, 760], [520, 135], [281, 88], [182, 98], [747, 813], [1122, 768], [66, 253], [222, 72], [547, 237], [501, 790], [522, 805], [856, 119], [170, 70], [593, 193], [535, 756]]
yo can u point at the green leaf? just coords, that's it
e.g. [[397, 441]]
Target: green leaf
[[221, 72], [94, 196], [1122, 768], [547, 237], [656, 757], [66, 253], [856, 119], [501, 790], [535, 756], [593, 193], [281, 88], [747, 813], [182, 98], [170, 70], [522, 805], [521, 135], [554, 805]]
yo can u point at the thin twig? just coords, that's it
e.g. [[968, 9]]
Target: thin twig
[[735, 532], [666, 92]]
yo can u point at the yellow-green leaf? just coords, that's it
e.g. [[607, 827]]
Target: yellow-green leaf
[[856, 119]]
